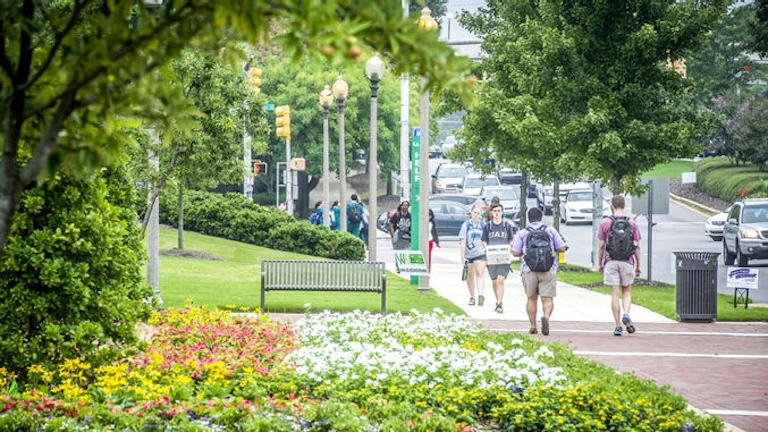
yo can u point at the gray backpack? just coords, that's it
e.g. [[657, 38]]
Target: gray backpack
[[539, 252]]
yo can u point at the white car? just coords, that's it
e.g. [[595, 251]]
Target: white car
[[577, 207], [544, 194], [473, 183], [713, 227]]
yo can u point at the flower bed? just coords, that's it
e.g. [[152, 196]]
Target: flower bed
[[206, 370]]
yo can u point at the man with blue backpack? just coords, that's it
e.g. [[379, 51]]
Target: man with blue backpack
[[316, 218], [538, 246]]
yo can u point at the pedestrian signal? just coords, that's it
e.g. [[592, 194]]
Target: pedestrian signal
[[260, 169]]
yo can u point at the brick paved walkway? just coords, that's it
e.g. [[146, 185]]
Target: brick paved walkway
[[720, 367]]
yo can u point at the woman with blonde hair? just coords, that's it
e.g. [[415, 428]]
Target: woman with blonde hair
[[473, 255]]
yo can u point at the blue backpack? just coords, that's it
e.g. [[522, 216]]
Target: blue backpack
[[315, 219]]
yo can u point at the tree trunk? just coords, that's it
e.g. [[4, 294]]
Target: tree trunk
[[616, 187], [180, 245], [524, 199], [556, 206], [302, 205]]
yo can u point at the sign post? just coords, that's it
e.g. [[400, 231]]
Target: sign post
[[415, 182]]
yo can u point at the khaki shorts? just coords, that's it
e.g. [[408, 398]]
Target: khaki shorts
[[540, 283], [618, 273]]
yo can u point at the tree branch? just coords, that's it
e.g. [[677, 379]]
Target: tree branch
[[45, 146], [25, 43], [57, 41], [126, 49], [156, 190], [5, 62]]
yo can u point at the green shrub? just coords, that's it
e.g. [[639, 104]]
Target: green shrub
[[720, 178], [305, 238], [234, 217], [71, 273]]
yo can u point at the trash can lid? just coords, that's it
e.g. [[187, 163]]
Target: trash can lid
[[704, 256]]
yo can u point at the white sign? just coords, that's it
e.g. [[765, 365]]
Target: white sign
[[741, 277], [410, 262], [689, 177], [498, 254]]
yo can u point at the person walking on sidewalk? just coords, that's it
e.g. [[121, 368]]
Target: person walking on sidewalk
[[400, 227], [354, 216], [334, 214], [497, 239], [433, 238], [473, 254], [619, 257], [538, 244]]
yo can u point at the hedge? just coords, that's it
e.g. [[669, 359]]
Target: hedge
[[234, 217], [719, 177]]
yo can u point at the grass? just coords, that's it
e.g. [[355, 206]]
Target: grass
[[234, 282], [661, 299], [671, 169]]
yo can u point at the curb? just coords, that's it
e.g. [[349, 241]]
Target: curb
[[690, 203]]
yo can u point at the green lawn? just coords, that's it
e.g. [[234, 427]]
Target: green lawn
[[234, 282], [671, 169], [662, 299]]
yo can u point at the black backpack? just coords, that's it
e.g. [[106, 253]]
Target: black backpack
[[620, 243], [355, 215], [539, 251]]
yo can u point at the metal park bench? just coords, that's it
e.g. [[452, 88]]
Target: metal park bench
[[299, 275]]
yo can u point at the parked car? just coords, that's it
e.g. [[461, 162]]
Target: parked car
[[508, 176], [449, 216], [544, 194], [448, 178], [745, 233], [467, 200], [508, 198], [713, 227], [435, 152], [578, 207], [474, 182]]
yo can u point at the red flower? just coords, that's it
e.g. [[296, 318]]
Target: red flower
[[747, 69], [742, 193]]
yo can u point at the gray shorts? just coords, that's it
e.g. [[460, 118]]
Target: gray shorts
[[496, 270], [618, 273], [540, 283]]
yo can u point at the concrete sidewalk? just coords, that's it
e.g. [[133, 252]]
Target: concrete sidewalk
[[571, 304]]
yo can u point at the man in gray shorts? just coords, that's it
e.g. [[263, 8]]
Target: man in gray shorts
[[538, 283], [497, 239], [619, 258]]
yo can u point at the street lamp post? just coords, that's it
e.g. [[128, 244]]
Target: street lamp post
[[340, 91], [326, 97], [427, 23], [374, 69]]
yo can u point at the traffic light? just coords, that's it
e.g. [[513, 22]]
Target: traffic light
[[254, 78], [283, 121], [259, 168]]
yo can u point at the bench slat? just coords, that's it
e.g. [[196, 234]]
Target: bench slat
[[308, 275]]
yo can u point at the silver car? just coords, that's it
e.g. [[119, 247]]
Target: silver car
[[745, 233]]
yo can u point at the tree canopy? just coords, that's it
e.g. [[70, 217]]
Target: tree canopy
[[73, 72], [583, 89]]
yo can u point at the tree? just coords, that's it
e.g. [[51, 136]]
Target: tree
[[74, 70], [299, 85], [206, 150], [749, 130], [575, 88], [722, 65], [759, 42]]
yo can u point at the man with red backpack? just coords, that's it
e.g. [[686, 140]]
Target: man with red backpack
[[619, 257]]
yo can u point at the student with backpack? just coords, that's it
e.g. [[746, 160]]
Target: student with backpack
[[316, 218], [619, 257], [354, 216], [335, 216], [400, 227], [497, 240], [473, 255], [538, 246]]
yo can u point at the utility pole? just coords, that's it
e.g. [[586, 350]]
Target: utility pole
[[405, 187]]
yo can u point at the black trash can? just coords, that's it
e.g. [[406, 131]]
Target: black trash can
[[696, 292]]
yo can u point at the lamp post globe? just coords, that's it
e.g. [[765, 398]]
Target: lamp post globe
[[340, 90], [326, 98]]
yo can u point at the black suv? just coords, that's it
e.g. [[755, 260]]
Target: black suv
[[745, 233]]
